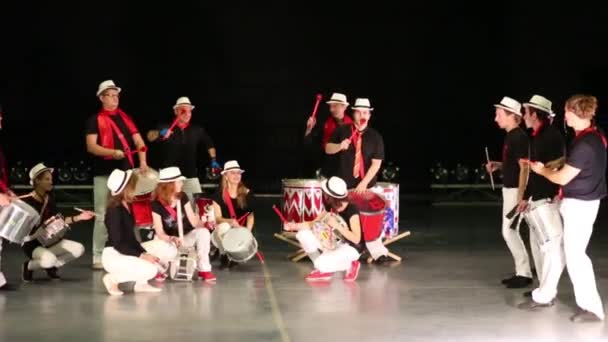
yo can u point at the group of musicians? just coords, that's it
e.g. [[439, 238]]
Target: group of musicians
[[539, 173], [536, 168]]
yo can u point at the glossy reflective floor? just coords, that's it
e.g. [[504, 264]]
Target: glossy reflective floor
[[446, 289]]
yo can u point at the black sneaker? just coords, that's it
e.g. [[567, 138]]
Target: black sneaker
[[508, 280], [214, 254], [528, 294], [519, 282], [8, 287], [52, 273], [26, 275], [382, 260], [224, 261]]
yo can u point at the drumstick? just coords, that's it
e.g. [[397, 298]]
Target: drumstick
[[488, 159], [143, 149], [82, 211], [276, 210], [314, 111], [243, 217]]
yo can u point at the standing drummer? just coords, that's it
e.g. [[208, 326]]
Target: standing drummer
[[112, 137], [360, 152]]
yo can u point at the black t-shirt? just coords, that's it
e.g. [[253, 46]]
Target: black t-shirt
[[50, 210], [346, 214], [588, 154], [184, 148], [372, 147], [101, 166], [314, 145], [217, 198], [121, 231], [170, 221], [515, 147], [547, 145]]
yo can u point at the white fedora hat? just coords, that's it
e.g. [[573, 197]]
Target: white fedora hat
[[335, 187], [118, 180], [338, 98], [540, 102], [37, 170], [510, 105], [232, 165], [170, 174], [108, 84], [362, 103], [183, 101]]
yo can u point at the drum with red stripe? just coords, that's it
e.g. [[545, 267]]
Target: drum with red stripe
[[142, 211], [372, 207], [302, 199], [390, 193]]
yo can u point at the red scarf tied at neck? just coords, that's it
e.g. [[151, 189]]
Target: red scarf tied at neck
[[107, 126]]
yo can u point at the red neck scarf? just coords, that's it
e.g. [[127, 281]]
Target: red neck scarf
[[593, 130], [331, 124], [359, 165], [536, 131], [169, 208], [107, 126]]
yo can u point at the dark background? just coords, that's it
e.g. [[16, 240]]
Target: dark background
[[432, 71]]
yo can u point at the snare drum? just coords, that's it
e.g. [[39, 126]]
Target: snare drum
[[239, 244], [390, 193], [53, 231], [372, 212], [302, 199], [17, 220], [218, 235], [545, 220], [142, 211], [328, 237]]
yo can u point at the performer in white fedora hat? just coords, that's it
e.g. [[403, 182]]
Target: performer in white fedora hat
[[183, 144], [315, 138], [508, 117], [583, 181], [51, 257], [113, 138], [547, 145], [232, 204], [124, 258], [169, 194], [360, 152], [345, 257]]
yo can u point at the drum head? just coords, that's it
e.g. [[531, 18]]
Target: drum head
[[237, 239], [146, 182]]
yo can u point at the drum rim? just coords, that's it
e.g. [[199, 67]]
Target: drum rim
[[300, 181]]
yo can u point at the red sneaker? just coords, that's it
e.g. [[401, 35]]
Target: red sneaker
[[316, 275], [207, 276], [353, 272], [160, 276]]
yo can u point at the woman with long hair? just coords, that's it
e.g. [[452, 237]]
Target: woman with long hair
[[169, 194], [124, 258]]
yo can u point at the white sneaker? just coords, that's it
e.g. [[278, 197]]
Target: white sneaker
[[109, 284], [146, 288]]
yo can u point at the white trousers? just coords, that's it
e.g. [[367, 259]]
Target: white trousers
[[100, 200], [337, 260], [512, 237], [123, 268], [200, 238], [55, 256], [376, 248], [579, 217], [2, 278]]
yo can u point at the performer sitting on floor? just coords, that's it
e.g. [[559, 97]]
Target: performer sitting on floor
[[345, 256], [53, 256], [232, 203], [124, 258], [164, 214]]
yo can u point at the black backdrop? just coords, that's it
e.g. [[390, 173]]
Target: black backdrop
[[432, 71]]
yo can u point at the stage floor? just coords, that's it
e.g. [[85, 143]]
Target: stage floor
[[446, 289]]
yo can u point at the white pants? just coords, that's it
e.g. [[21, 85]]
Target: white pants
[[376, 248], [55, 256], [337, 260], [123, 268], [100, 200], [192, 186], [579, 217], [200, 238], [2, 278], [164, 250], [512, 237]]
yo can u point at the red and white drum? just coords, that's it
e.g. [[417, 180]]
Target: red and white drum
[[302, 199], [390, 192], [372, 208]]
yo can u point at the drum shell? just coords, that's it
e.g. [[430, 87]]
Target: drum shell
[[302, 199], [545, 220], [390, 193], [239, 244], [53, 231], [142, 211], [17, 221]]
